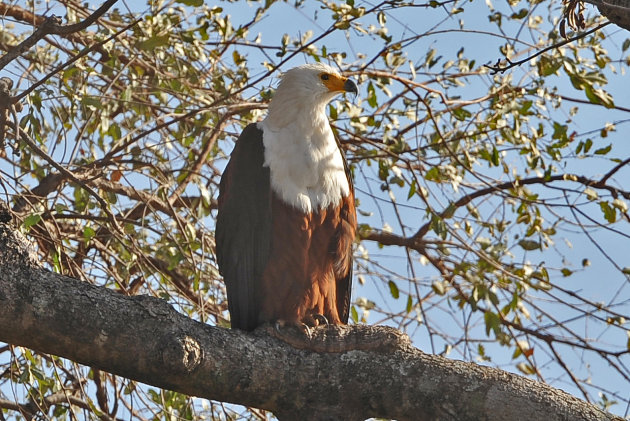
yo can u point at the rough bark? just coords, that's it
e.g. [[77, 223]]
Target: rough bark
[[617, 11], [145, 339]]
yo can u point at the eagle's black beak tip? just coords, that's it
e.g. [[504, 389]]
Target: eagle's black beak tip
[[350, 86]]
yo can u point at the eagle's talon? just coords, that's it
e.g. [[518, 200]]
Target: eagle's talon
[[278, 324], [306, 330], [320, 319], [302, 327]]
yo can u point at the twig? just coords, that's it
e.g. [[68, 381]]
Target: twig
[[51, 26], [496, 68], [73, 59], [26, 138]]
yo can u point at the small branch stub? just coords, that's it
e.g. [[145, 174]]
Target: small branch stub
[[183, 354]]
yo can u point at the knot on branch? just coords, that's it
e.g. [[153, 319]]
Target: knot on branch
[[338, 339], [182, 354], [51, 23], [5, 87], [499, 67]]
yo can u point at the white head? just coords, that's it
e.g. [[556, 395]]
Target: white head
[[307, 168], [307, 89]]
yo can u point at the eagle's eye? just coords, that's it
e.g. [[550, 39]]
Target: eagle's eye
[[324, 76]]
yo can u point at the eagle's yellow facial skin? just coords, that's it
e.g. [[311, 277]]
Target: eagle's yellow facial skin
[[334, 83]]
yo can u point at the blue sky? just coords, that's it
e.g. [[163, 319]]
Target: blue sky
[[600, 281]]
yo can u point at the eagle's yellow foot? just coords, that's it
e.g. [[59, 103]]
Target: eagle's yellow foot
[[301, 326], [315, 320], [320, 319]]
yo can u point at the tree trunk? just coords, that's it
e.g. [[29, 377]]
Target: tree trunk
[[357, 372]]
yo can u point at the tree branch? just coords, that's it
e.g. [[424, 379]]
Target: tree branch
[[144, 338], [464, 200], [29, 410], [51, 26], [497, 67], [617, 11]]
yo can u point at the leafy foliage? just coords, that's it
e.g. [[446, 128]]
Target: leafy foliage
[[472, 185]]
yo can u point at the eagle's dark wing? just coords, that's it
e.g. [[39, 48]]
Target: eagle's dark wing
[[243, 227], [344, 238]]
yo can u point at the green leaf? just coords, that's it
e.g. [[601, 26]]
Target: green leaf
[[495, 156], [493, 298], [547, 66], [610, 214], [154, 42], [193, 3], [517, 353], [371, 98], [599, 96], [529, 245], [587, 145], [566, 272], [88, 233], [520, 14], [433, 174], [31, 220], [393, 289], [333, 112], [462, 114], [412, 189], [354, 314], [603, 151], [439, 287], [492, 322], [449, 211], [409, 304], [526, 368], [92, 101], [343, 24]]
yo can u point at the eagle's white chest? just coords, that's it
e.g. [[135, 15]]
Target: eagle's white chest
[[305, 164]]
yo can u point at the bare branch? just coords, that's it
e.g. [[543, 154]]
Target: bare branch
[[73, 59], [52, 26], [498, 68]]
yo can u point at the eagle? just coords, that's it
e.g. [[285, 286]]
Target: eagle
[[286, 217]]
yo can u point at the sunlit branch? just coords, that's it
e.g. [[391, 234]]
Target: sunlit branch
[[52, 26], [498, 68]]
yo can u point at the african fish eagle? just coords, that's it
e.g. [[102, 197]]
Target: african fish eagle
[[287, 219]]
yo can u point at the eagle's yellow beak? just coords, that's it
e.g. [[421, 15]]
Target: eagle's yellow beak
[[336, 83]]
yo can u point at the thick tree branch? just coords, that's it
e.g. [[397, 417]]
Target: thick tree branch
[[144, 338], [617, 11]]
